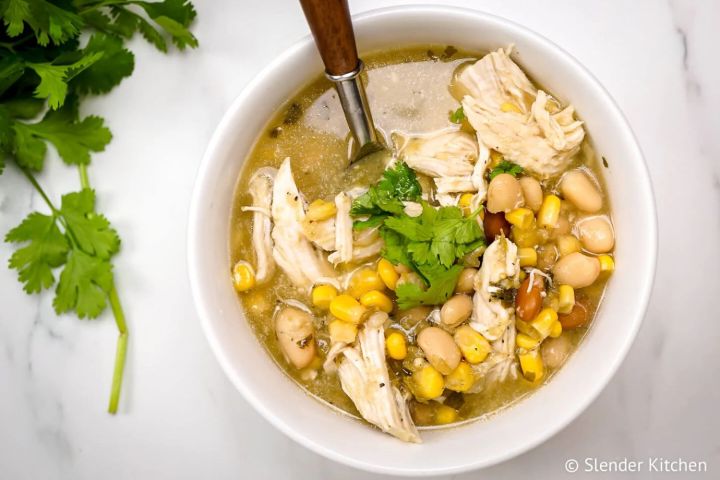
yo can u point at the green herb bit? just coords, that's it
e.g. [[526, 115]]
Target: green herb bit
[[506, 167], [458, 115]]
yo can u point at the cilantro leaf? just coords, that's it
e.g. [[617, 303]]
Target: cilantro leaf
[[47, 20], [398, 184], [46, 249], [107, 72], [74, 140], [91, 230], [441, 288], [54, 78], [84, 285], [174, 16], [506, 167], [458, 115]]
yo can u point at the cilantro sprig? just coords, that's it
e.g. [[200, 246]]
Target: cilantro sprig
[[386, 198], [431, 244], [458, 115], [506, 166], [45, 73]]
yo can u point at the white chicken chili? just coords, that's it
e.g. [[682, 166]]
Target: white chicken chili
[[456, 283]]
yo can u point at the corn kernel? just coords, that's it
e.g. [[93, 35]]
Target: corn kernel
[[544, 321], [348, 309], [378, 300], [320, 210], [396, 346], [388, 274], [342, 331], [495, 158], [556, 330], [363, 281], [567, 244], [461, 379], [532, 366], [465, 202], [510, 107], [520, 217], [566, 294], [523, 276], [473, 346], [526, 341], [243, 276], [549, 212], [607, 264], [428, 382], [322, 295], [445, 415], [527, 256]]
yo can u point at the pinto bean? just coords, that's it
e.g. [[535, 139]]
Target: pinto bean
[[577, 317], [494, 224], [529, 304]]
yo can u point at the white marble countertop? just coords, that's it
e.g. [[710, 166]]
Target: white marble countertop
[[181, 418]]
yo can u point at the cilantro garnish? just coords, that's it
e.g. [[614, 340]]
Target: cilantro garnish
[[458, 115], [44, 68], [386, 198], [506, 167], [430, 243]]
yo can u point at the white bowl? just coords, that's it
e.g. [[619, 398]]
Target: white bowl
[[480, 443]]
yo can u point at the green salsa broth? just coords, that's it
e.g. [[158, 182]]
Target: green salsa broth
[[319, 160]]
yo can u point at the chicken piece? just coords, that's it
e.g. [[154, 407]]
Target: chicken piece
[[500, 271], [454, 184], [500, 364], [321, 233], [478, 174], [261, 190], [343, 228], [513, 117], [365, 379], [292, 251], [439, 154]]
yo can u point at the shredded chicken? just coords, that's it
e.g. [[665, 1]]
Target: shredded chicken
[[511, 116], [292, 251], [261, 189], [500, 364], [439, 154], [500, 271], [365, 379], [321, 233], [343, 228], [454, 184]]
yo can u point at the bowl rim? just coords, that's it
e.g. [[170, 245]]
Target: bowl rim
[[195, 220]]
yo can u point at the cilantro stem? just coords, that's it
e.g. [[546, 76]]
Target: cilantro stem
[[119, 352], [84, 181], [34, 183]]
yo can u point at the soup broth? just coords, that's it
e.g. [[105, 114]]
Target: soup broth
[[411, 91]]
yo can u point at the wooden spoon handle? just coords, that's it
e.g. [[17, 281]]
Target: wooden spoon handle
[[330, 24]]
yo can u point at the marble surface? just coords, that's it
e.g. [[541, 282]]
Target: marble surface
[[180, 417]]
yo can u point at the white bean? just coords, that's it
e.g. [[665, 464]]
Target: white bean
[[504, 193], [296, 336], [532, 192], [577, 187], [456, 310], [596, 234], [440, 349], [577, 270]]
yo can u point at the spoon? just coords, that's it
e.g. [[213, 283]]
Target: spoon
[[330, 24]]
